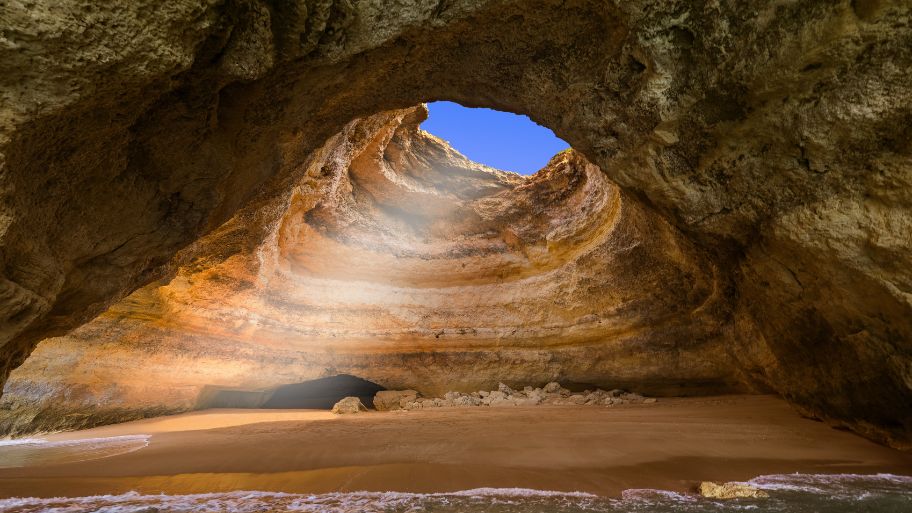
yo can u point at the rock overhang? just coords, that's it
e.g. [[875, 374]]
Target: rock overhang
[[771, 137]]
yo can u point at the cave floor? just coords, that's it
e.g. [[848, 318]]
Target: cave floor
[[668, 445]]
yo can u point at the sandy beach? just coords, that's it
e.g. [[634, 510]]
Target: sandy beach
[[668, 445]]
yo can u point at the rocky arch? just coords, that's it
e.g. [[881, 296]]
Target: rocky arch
[[775, 137]]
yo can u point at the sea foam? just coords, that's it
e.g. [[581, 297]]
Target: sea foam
[[32, 451], [797, 493]]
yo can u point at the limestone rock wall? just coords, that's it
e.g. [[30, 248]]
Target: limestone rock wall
[[774, 135], [398, 260]]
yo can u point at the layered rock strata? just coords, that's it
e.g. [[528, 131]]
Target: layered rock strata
[[399, 261], [775, 135]]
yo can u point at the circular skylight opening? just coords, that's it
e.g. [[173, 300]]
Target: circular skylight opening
[[501, 140]]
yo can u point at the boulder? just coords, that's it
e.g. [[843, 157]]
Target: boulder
[[498, 398], [552, 388], [348, 405], [466, 400], [730, 491], [386, 400], [536, 395]]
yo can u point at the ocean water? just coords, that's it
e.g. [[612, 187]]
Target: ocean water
[[35, 451], [798, 493]]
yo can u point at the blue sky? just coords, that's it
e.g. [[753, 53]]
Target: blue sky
[[498, 139]]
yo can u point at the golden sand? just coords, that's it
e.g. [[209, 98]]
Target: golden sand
[[672, 444]]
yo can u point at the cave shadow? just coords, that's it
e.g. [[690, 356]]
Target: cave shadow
[[318, 394]]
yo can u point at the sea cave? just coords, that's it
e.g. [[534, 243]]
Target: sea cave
[[525, 255]]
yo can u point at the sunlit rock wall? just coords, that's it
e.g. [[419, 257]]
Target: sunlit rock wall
[[399, 261], [774, 135]]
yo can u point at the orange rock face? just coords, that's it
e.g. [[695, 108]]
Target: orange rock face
[[398, 260]]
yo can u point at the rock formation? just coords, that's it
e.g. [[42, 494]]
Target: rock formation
[[348, 405], [399, 261], [387, 400], [775, 136], [730, 491]]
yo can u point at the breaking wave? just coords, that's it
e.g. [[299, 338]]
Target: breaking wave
[[25, 452], [798, 493]]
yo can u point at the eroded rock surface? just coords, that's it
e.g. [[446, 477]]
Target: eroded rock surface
[[398, 260], [775, 136], [348, 405]]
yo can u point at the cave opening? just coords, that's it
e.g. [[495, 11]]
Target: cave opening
[[320, 394], [502, 140]]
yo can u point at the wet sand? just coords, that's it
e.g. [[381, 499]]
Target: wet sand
[[668, 445]]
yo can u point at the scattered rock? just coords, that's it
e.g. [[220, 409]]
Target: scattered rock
[[730, 491], [348, 405], [550, 394]]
